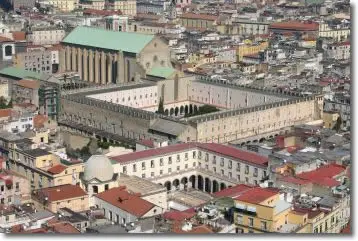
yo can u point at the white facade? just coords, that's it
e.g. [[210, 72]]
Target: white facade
[[223, 96], [4, 90], [46, 36], [191, 161], [20, 125], [139, 97]]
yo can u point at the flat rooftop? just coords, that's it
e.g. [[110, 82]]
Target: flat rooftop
[[139, 185]]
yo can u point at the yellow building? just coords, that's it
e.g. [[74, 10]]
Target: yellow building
[[261, 210], [93, 4], [64, 196], [329, 119], [197, 21], [127, 7], [338, 34], [62, 5], [248, 48]]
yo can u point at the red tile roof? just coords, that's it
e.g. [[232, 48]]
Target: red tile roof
[[179, 215], [97, 12], [63, 227], [295, 25], [19, 36], [324, 175], [232, 191], [148, 143], [30, 84], [256, 195], [62, 192], [235, 153], [295, 180], [57, 169], [225, 150], [126, 201], [5, 113], [347, 230], [39, 120], [153, 152]]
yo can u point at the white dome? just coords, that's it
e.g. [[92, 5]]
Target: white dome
[[98, 166]]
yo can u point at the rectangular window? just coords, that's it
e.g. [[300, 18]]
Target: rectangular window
[[251, 222], [238, 167], [178, 158], [161, 172], [214, 159], [222, 172], [169, 170], [143, 175], [125, 170], [230, 164], [263, 225], [247, 169], [222, 162], [170, 160], [161, 162], [199, 154], [194, 154], [143, 165], [152, 163], [186, 166], [255, 172], [238, 178], [230, 175], [207, 157], [186, 156], [134, 167], [178, 168], [240, 219]]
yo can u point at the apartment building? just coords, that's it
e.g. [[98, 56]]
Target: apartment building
[[45, 35], [63, 196], [14, 188], [249, 48], [61, 5], [127, 7]]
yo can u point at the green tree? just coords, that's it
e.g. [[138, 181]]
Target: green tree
[[161, 106]]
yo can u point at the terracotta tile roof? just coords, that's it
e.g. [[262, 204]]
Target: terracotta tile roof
[[225, 150], [295, 25], [97, 12], [63, 227], [148, 143], [62, 192], [199, 16], [57, 169], [347, 230], [233, 152], [179, 215], [5, 113], [131, 203], [153, 152], [295, 180], [324, 175], [19, 36], [256, 195], [39, 120], [30, 84], [232, 191]]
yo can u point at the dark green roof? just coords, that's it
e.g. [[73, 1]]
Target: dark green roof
[[163, 72], [22, 73], [106, 39]]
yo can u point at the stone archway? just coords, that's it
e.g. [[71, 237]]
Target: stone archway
[[222, 186], [186, 109], [215, 186], [176, 183], [190, 109], [200, 183], [196, 109], [262, 140], [168, 185], [207, 185], [166, 112], [171, 111], [181, 110], [176, 111], [184, 182], [192, 179]]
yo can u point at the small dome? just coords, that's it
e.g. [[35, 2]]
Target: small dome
[[98, 166]]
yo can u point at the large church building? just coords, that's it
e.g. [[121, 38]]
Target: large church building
[[102, 56]]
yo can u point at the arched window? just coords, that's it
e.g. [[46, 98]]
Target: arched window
[[8, 50]]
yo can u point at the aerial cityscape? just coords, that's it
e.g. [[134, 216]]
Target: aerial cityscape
[[175, 116]]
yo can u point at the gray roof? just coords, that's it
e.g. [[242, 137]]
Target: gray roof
[[109, 229], [41, 215], [36, 152], [168, 126]]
